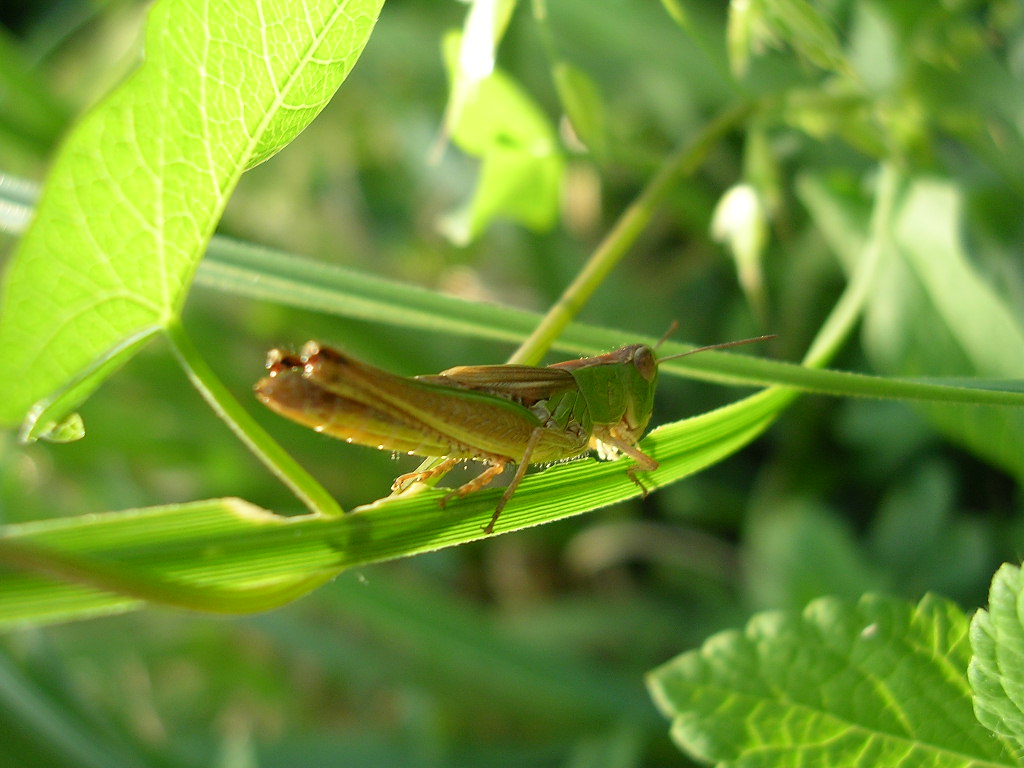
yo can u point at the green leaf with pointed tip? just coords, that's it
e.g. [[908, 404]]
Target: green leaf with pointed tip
[[873, 683], [138, 187]]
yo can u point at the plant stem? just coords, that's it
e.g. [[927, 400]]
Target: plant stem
[[627, 229], [624, 233], [263, 446], [844, 315]]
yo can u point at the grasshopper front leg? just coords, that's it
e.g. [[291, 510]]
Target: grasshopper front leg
[[644, 463]]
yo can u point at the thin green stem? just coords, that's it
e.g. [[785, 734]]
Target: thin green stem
[[627, 229], [617, 242], [263, 446], [841, 321]]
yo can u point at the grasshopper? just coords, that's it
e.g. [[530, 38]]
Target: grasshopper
[[496, 414]]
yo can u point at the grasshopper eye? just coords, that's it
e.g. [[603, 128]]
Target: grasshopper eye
[[278, 361], [645, 363]]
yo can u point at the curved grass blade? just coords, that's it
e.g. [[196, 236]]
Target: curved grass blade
[[228, 556]]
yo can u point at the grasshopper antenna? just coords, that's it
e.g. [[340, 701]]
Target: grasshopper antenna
[[672, 328], [724, 345]]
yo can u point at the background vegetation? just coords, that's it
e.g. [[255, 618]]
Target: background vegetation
[[531, 648]]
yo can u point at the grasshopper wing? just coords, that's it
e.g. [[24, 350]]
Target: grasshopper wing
[[524, 384]]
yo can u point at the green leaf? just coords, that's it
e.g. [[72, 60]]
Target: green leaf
[[138, 187], [228, 556], [996, 672], [675, 9], [521, 170], [872, 683], [930, 312]]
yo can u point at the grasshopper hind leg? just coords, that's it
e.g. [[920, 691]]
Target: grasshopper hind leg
[[531, 445], [404, 481], [496, 465], [496, 468]]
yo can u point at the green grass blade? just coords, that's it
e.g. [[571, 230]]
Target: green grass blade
[[255, 272], [258, 273], [228, 556], [57, 725]]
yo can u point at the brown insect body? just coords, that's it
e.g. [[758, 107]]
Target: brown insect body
[[497, 414]]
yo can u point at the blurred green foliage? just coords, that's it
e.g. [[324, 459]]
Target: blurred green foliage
[[530, 649]]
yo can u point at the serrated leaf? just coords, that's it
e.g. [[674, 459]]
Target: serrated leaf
[[873, 683], [997, 669], [135, 193]]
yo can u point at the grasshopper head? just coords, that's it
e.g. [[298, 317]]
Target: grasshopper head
[[641, 377], [621, 386]]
